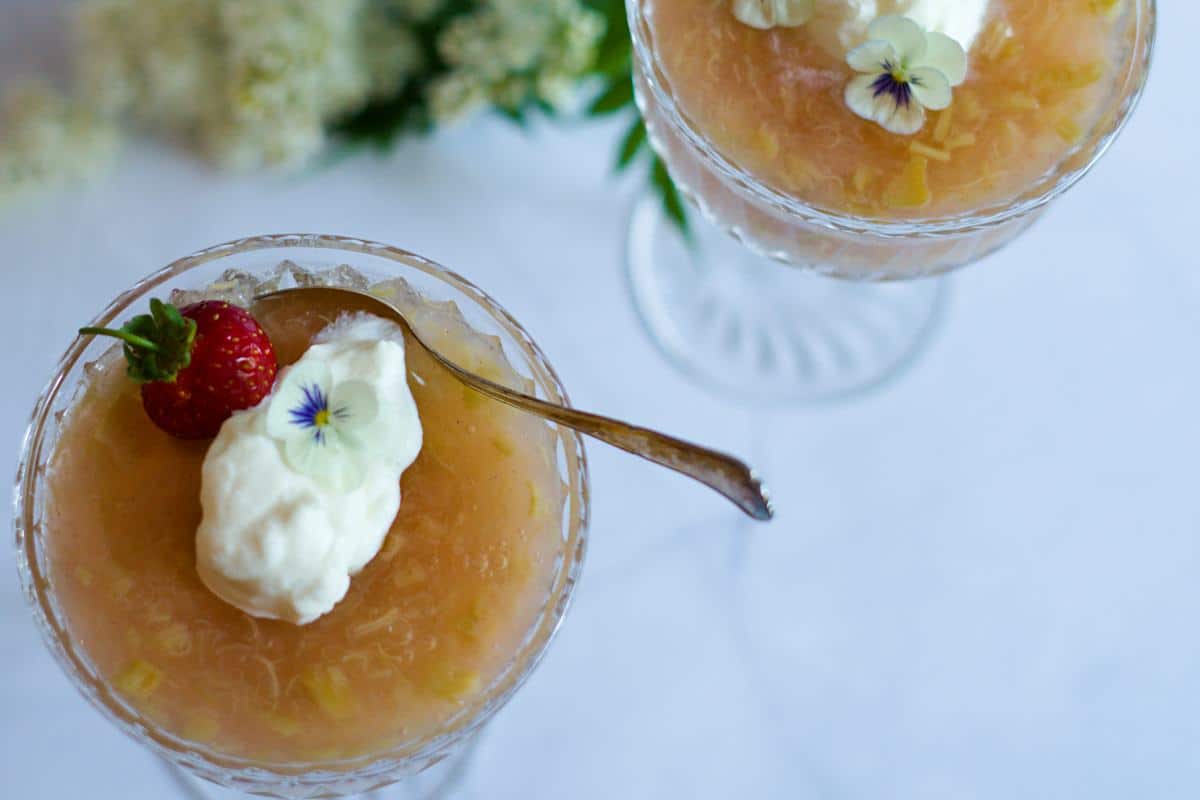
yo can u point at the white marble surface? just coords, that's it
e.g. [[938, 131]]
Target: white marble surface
[[984, 582]]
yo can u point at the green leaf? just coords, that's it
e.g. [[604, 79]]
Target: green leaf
[[614, 61], [517, 115], [618, 95], [672, 202], [381, 123], [612, 54], [633, 142]]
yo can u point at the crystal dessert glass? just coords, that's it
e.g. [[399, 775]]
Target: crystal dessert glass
[[752, 126], [410, 666]]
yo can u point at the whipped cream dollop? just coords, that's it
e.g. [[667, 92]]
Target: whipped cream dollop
[[842, 24], [288, 519]]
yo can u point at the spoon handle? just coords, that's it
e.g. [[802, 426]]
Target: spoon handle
[[723, 473], [718, 471]]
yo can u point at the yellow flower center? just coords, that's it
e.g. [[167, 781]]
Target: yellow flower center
[[322, 418]]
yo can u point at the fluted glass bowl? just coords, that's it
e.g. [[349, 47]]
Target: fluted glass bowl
[[789, 230], [237, 271]]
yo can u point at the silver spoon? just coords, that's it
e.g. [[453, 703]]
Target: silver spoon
[[726, 474]]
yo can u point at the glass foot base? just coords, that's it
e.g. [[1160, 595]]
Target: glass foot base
[[761, 331], [434, 783]]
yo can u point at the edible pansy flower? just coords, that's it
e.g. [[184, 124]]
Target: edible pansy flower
[[906, 70], [323, 427], [766, 14]]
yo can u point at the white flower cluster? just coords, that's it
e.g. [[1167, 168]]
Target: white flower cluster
[[47, 142], [256, 83], [513, 52]]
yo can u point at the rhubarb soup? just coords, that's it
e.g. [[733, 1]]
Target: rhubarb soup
[[1043, 83], [1040, 75], [426, 626]]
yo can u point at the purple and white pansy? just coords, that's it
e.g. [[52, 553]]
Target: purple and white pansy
[[906, 70], [324, 427]]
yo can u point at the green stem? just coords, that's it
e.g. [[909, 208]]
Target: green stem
[[130, 339]]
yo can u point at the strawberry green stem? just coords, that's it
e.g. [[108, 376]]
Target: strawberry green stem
[[157, 345], [131, 339]]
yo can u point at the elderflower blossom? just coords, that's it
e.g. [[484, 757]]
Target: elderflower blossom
[[255, 83], [288, 65], [514, 52], [258, 83], [390, 50], [46, 141], [149, 58]]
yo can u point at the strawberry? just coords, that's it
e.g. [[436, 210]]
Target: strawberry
[[196, 365]]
